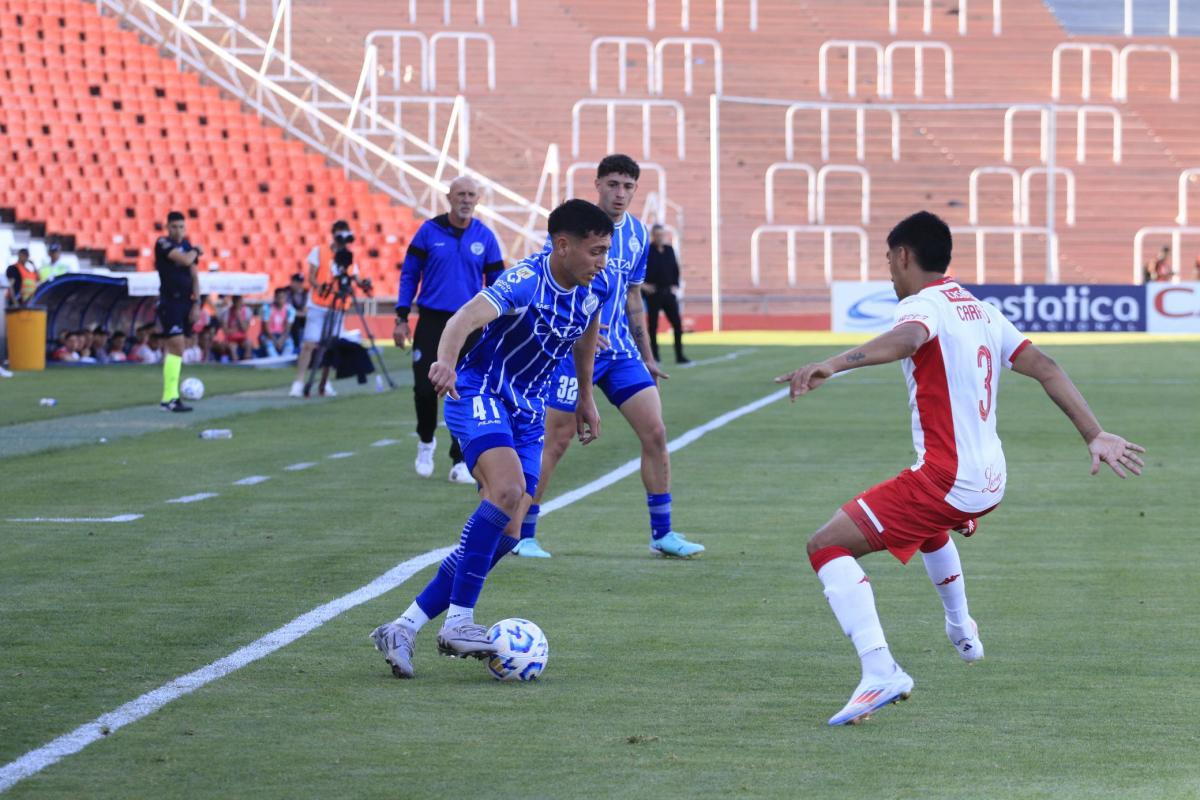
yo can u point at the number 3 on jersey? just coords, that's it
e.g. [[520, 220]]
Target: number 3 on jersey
[[568, 389], [983, 359], [479, 411]]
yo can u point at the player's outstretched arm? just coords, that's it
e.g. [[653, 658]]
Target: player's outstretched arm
[[587, 417], [1105, 447], [474, 315], [635, 311], [900, 342]]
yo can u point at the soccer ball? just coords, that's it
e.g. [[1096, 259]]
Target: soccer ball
[[192, 389], [521, 650]]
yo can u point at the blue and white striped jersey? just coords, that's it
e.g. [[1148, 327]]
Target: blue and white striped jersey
[[538, 325], [626, 267]]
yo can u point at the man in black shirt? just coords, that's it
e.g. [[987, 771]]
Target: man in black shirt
[[175, 259], [662, 276]]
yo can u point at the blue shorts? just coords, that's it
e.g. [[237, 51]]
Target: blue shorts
[[482, 422], [619, 379]]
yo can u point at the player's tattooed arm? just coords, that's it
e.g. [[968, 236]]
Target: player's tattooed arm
[[635, 312], [900, 342]]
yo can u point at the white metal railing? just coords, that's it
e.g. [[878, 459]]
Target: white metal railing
[[688, 43], [310, 108], [648, 168], [860, 126], [480, 19], [852, 47], [927, 17], [389, 42], [791, 232], [462, 37], [973, 192], [1176, 234], [1081, 117], [610, 105], [811, 188], [1026, 190], [685, 14], [1017, 232], [1085, 50], [1123, 71], [623, 44], [1172, 18], [918, 48], [1120, 67], [1185, 177], [850, 169]]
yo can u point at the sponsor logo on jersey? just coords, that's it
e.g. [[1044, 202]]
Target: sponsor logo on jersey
[[477, 248], [957, 294], [524, 272]]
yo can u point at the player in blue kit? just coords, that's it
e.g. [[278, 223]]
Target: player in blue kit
[[626, 371], [537, 314]]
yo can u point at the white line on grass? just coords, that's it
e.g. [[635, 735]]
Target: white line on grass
[[117, 518], [37, 760], [385, 443], [336, 456], [736, 354], [193, 498], [300, 466], [251, 480]]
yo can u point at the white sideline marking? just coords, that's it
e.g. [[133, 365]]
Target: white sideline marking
[[68, 744], [251, 480], [736, 354], [36, 760], [300, 466], [193, 498], [385, 442], [117, 518], [339, 455]]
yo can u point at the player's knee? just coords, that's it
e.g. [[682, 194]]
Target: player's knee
[[506, 495], [654, 436]]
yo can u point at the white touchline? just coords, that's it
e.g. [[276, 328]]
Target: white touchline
[[193, 498], [736, 354], [251, 480], [336, 456], [37, 760], [385, 443], [117, 518], [300, 466]]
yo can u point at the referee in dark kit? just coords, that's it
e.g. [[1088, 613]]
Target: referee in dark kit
[[662, 279], [175, 258], [449, 259]]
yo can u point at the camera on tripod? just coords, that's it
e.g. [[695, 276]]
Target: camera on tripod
[[343, 258]]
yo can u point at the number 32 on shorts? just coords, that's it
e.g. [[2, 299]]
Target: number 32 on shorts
[[568, 389]]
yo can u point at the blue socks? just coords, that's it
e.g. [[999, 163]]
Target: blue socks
[[529, 524], [460, 576], [660, 514]]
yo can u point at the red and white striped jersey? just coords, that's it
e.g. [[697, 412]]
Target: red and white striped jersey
[[952, 381]]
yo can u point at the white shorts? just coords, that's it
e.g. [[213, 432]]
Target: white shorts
[[314, 324]]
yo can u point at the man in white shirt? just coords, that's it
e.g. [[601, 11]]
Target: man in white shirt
[[952, 347]]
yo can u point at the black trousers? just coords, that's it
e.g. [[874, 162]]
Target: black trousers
[[425, 345], [669, 305]]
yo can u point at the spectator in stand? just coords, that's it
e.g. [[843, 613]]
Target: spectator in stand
[[1162, 264], [22, 281], [280, 315], [83, 346], [67, 350], [116, 348], [54, 266], [100, 345], [204, 342], [1198, 267], [236, 323], [142, 351], [662, 281], [297, 298]]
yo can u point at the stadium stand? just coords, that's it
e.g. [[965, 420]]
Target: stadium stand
[[100, 136]]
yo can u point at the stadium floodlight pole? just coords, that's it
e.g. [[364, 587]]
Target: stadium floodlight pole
[[714, 183]]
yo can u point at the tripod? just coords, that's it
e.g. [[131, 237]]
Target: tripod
[[344, 300]]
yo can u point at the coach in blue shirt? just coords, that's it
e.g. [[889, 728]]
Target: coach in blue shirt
[[449, 260]]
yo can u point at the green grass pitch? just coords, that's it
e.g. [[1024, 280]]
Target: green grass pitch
[[704, 679]]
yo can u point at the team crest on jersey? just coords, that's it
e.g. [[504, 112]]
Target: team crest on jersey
[[635, 246], [477, 248], [590, 303]]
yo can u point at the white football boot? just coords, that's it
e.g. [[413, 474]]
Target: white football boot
[[968, 645], [460, 474], [872, 694], [424, 462]]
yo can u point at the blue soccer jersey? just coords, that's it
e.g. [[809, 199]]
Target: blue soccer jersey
[[626, 267], [538, 325]]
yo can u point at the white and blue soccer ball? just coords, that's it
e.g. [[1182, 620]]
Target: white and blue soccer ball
[[191, 389], [521, 650]]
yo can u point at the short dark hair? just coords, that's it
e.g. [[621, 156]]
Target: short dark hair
[[927, 236], [620, 164], [340, 225], [579, 218], [175, 216]]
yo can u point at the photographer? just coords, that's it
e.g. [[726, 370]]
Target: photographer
[[176, 260], [327, 273], [449, 257]]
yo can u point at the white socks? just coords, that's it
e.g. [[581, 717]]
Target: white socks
[[458, 614], [414, 618], [849, 593], [945, 571]]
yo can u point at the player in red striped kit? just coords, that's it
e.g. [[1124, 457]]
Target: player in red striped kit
[[952, 347]]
